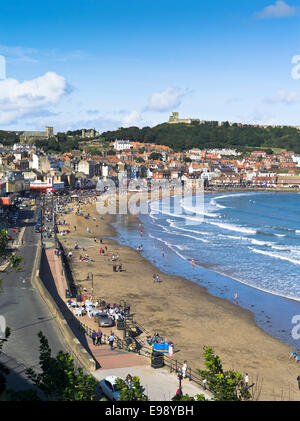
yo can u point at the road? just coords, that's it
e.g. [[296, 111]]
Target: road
[[26, 313]]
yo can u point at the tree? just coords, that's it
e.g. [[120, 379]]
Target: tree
[[135, 393], [225, 385], [59, 380], [155, 156]]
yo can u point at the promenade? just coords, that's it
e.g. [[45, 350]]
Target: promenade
[[159, 384]]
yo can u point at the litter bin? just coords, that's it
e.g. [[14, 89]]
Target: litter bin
[[157, 360], [120, 324], [68, 293]]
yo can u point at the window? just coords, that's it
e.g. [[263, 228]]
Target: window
[[107, 383]]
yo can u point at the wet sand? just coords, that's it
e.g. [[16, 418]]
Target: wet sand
[[180, 310]]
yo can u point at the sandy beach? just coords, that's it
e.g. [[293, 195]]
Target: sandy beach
[[179, 309]]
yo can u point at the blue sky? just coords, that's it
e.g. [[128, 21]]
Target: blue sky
[[106, 64]]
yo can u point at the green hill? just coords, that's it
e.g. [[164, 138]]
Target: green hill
[[8, 138], [209, 135]]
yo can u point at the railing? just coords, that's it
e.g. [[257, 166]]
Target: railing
[[142, 347], [144, 350], [121, 344]]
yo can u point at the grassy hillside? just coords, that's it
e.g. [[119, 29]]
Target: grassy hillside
[[182, 136]]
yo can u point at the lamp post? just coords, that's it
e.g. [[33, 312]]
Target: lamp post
[[125, 317], [180, 377]]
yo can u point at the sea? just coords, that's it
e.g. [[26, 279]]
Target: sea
[[243, 247]]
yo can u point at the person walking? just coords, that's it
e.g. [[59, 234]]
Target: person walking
[[184, 369], [246, 381], [99, 336], [154, 277], [94, 336], [179, 392], [111, 341], [171, 350], [236, 298], [298, 378], [157, 278], [129, 381]]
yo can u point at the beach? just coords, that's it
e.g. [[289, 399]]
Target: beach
[[179, 309]]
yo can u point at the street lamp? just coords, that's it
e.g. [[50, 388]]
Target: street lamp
[[91, 277], [180, 377]]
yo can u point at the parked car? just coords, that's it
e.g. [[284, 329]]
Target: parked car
[[104, 320], [109, 388]]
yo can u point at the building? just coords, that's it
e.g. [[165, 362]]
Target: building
[[89, 133], [31, 135], [288, 180], [40, 163], [122, 145], [174, 119], [89, 168]]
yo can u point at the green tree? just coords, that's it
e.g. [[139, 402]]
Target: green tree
[[155, 156], [225, 385], [59, 380], [135, 393]]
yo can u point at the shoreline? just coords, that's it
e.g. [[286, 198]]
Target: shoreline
[[196, 305]]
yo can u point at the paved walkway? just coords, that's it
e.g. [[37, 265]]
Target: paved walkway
[[115, 359], [57, 272], [160, 384]]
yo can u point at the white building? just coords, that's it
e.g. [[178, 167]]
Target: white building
[[122, 145], [296, 158]]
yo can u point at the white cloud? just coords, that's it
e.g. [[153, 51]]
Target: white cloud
[[165, 100], [278, 10], [132, 119], [19, 54], [18, 99], [284, 97]]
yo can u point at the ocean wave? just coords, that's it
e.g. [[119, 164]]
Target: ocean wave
[[213, 201], [269, 234], [261, 243], [194, 219], [275, 255], [203, 213], [233, 237], [232, 227], [281, 229], [170, 246], [173, 225]]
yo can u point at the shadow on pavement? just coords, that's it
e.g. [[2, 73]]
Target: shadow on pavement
[[73, 323]]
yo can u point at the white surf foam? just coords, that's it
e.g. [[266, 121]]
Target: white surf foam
[[275, 255], [232, 227]]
